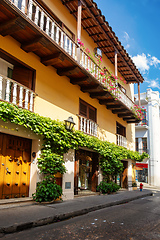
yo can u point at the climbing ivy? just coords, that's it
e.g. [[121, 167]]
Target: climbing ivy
[[57, 141]]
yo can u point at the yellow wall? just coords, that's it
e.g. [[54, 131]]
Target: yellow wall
[[57, 97]]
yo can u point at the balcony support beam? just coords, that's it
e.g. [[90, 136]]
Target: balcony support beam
[[53, 59], [119, 111], [11, 26], [113, 106], [99, 94], [77, 81], [33, 45], [67, 71], [91, 88]]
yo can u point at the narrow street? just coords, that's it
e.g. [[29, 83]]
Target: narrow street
[[139, 219]]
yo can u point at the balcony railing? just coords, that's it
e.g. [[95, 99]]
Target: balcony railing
[[48, 25], [142, 150], [87, 126], [142, 123], [121, 141], [16, 93]]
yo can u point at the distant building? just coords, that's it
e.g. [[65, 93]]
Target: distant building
[[148, 138]]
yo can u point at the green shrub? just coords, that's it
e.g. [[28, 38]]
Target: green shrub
[[47, 191], [134, 184], [105, 187]]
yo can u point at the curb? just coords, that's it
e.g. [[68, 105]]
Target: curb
[[62, 217]]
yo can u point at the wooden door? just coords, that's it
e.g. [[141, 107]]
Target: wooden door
[[14, 166], [76, 175], [125, 175]]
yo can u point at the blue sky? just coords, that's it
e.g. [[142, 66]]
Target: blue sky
[[137, 25]]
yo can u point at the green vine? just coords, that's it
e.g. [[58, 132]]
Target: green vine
[[57, 141]]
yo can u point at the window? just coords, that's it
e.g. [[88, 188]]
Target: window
[[144, 144], [121, 130], [144, 120], [87, 111], [136, 145]]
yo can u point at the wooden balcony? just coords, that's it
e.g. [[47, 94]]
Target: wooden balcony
[[87, 126], [14, 92], [38, 32]]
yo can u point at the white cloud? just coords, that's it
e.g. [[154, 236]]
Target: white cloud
[[154, 61], [143, 62], [154, 84], [126, 40], [126, 36], [127, 46]]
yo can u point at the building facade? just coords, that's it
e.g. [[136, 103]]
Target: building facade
[[44, 69], [148, 139]]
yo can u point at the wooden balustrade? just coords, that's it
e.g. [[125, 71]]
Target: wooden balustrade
[[121, 141], [14, 92], [88, 126]]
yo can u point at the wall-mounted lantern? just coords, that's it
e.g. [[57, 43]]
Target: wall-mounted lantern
[[69, 123]]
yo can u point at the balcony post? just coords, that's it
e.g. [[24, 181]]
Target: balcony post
[[139, 97], [115, 63], [8, 90], [79, 27], [36, 15], [21, 96], [1, 84], [23, 6], [14, 101]]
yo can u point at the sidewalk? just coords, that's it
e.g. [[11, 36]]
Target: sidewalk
[[19, 216]]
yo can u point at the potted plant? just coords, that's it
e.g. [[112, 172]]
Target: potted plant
[[134, 185]]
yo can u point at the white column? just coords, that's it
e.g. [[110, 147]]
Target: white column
[[57, 35], [62, 39], [66, 45], [8, 90], [30, 9], [154, 139], [14, 101], [23, 6], [52, 30], [26, 99], [47, 25], [31, 102], [1, 81], [68, 177], [70, 47], [129, 174], [88, 126], [36, 15], [42, 20], [21, 96], [16, 3], [84, 125]]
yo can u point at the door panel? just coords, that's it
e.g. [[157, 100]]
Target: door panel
[[15, 155], [125, 175]]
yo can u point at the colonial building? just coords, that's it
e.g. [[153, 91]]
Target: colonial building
[[148, 138], [43, 68]]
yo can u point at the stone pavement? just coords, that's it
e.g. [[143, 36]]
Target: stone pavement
[[17, 216]]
